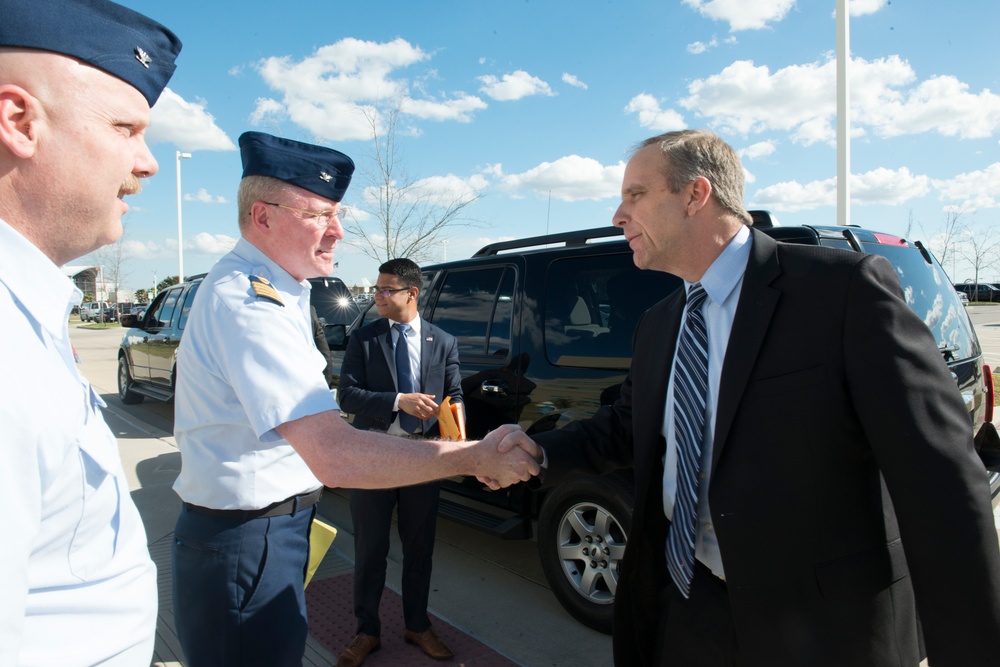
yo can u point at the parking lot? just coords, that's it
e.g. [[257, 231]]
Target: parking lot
[[489, 590]]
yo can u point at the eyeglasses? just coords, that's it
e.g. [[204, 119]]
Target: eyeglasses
[[386, 292], [324, 217]]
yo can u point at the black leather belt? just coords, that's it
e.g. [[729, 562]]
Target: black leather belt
[[280, 508]]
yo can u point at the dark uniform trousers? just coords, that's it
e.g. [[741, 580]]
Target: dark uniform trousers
[[255, 570]]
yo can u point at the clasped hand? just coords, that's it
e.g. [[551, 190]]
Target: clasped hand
[[513, 457]]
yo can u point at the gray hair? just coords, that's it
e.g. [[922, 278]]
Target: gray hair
[[688, 154]]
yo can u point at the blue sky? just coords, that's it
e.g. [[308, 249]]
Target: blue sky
[[534, 104]]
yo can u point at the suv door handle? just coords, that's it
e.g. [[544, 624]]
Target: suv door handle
[[496, 388]]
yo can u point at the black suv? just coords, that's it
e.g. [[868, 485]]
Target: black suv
[[544, 328], [147, 355]]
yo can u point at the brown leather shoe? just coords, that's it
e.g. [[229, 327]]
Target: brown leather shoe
[[429, 643], [358, 650]]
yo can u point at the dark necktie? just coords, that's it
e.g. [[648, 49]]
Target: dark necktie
[[404, 377], [690, 392]]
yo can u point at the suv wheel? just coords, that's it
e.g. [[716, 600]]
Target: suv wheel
[[582, 530], [126, 393]]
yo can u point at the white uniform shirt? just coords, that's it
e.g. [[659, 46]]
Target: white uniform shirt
[[245, 366], [77, 586], [723, 283]]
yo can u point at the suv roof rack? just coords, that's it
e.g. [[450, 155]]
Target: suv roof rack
[[761, 219], [579, 237]]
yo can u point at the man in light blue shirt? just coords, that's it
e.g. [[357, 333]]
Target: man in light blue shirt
[[77, 586], [259, 431]]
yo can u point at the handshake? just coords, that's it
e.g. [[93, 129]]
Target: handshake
[[508, 456]]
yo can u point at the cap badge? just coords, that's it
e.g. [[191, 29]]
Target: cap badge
[[323, 176], [143, 57]]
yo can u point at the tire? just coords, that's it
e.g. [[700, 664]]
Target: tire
[[582, 531], [126, 393]]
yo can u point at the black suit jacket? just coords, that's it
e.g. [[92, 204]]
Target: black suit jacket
[[368, 374], [830, 384]]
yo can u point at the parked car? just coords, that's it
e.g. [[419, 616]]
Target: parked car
[[963, 297], [983, 292], [108, 314], [147, 355], [92, 311], [336, 309], [544, 336]]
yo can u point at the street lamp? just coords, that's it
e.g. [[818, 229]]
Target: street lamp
[[180, 236]]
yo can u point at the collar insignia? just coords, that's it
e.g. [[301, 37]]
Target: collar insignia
[[264, 290], [143, 57], [323, 176]]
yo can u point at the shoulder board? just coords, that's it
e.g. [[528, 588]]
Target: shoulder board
[[264, 290]]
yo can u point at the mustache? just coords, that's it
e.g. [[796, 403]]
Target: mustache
[[130, 186]]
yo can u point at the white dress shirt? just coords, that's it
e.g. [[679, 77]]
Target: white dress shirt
[[77, 586], [723, 282]]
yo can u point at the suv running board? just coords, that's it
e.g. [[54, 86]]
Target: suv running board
[[514, 528], [152, 392]]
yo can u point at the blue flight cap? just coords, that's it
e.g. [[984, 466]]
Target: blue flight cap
[[322, 171], [107, 36]]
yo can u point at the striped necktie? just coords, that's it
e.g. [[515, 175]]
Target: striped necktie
[[690, 392]]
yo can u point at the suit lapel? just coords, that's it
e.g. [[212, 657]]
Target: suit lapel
[[753, 316], [426, 343], [384, 339]]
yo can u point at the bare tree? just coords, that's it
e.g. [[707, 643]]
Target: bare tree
[[404, 217], [948, 243], [113, 259], [980, 250]]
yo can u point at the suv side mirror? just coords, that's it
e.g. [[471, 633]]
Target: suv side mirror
[[336, 336], [130, 321]]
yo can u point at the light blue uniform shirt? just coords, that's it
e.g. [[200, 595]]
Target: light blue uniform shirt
[[723, 282], [246, 365], [77, 586]]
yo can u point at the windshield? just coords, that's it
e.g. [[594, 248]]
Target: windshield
[[333, 302]]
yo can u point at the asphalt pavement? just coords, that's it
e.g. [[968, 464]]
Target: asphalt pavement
[[490, 590]]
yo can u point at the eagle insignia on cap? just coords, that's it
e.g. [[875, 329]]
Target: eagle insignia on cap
[[264, 290], [142, 57], [323, 176]]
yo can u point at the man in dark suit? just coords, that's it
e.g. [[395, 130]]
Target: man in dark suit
[[396, 370], [833, 492]]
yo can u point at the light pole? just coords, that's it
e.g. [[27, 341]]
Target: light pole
[[180, 236]]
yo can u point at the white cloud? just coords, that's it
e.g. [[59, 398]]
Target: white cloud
[[570, 178], [572, 80], [433, 191], [972, 190], [863, 7], [186, 124], [758, 150], [513, 86], [879, 186], [141, 250], [205, 198], [328, 92], [741, 14], [213, 245], [698, 48], [652, 117], [801, 100]]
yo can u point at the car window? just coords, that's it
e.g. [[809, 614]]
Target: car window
[[929, 292], [163, 310], [592, 305], [333, 301], [466, 305], [188, 302]]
